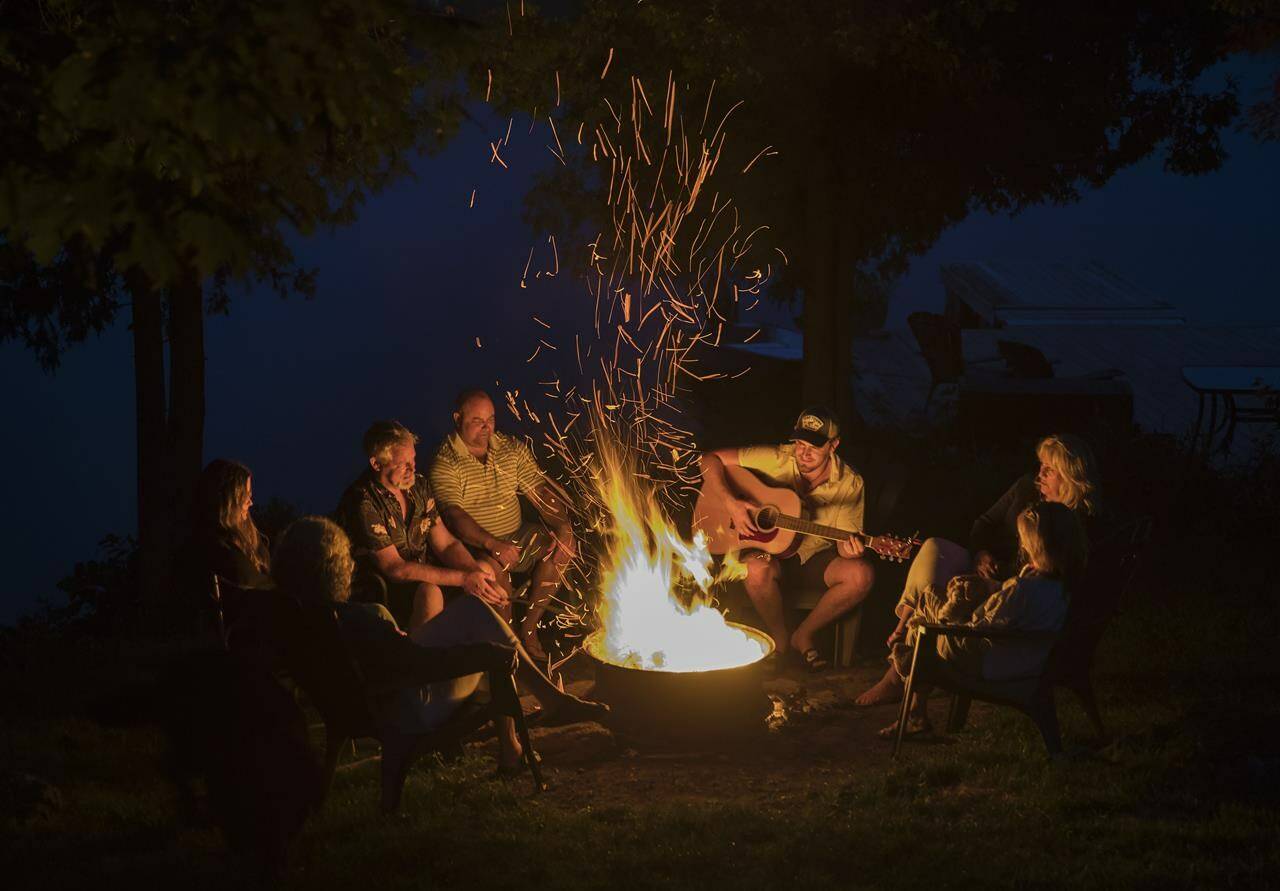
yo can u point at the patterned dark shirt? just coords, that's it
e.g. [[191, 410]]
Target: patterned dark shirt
[[370, 514]]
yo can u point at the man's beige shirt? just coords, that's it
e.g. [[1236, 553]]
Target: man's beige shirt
[[488, 490], [837, 502]]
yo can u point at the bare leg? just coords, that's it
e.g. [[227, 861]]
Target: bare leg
[[848, 583], [428, 602], [545, 582], [889, 687], [470, 620], [509, 749], [765, 593]]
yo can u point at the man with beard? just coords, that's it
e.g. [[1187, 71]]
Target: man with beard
[[832, 493], [391, 517]]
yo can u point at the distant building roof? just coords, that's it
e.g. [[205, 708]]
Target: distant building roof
[[1006, 293]]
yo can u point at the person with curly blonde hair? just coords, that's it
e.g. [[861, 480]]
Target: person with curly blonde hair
[[1067, 475], [417, 680]]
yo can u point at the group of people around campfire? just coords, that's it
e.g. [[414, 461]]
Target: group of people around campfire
[[448, 548], [445, 549], [1024, 553]]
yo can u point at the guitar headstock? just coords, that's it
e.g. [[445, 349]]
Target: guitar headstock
[[892, 547]]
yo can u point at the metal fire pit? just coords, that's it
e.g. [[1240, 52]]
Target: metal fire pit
[[683, 707]]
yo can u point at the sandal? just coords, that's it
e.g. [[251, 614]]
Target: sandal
[[814, 662], [915, 727]]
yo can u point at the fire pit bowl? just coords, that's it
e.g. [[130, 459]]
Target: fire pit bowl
[[682, 707]]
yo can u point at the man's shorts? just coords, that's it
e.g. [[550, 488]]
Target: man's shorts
[[797, 576], [534, 542]]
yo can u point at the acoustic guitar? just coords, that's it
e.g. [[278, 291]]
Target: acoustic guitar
[[780, 521]]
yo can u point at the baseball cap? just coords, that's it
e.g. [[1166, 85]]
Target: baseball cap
[[816, 426]]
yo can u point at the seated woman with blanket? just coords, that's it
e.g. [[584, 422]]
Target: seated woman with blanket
[[313, 564], [1052, 542], [1067, 476]]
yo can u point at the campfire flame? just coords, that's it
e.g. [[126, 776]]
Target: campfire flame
[[644, 571]]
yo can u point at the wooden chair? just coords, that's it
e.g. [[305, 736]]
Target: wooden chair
[[325, 670], [939, 340], [1094, 601]]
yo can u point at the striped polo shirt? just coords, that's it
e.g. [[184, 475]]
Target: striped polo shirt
[[486, 490]]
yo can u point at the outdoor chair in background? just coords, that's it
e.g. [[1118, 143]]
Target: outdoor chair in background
[[325, 670], [1094, 601], [1023, 360], [939, 340]]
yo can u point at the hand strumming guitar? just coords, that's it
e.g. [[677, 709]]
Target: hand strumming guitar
[[742, 514]]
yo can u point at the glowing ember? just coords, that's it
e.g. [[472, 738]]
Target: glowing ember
[[646, 567]]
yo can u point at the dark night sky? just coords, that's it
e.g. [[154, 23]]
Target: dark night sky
[[404, 292]]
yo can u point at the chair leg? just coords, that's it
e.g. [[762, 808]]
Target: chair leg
[[906, 697], [506, 701], [1045, 714], [333, 745], [1084, 691], [398, 750], [958, 715], [530, 754], [848, 638]]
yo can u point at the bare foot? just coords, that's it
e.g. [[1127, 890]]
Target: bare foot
[[569, 709], [887, 689]]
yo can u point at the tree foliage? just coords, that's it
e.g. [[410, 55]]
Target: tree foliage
[[195, 136], [928, 110]]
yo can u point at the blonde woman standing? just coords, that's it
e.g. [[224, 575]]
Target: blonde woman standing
[[1067, 475]]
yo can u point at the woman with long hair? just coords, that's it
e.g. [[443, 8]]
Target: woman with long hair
[[1067, 475], [1052, 541], [228, 540]]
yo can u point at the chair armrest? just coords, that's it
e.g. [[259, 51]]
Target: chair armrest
[[988, 633]]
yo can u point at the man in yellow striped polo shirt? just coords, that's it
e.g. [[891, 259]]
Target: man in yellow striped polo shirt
[[478, 476]]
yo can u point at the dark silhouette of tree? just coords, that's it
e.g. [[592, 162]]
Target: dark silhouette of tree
[[885, 123], [1256, 30], [159, 155]]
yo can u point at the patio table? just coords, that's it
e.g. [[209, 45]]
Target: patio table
[[1248, 394]]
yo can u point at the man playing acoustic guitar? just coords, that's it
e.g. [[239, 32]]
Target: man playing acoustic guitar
[[832, 494]]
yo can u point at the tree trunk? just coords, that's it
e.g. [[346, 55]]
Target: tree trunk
[[826, 349], [186, 394], [154, 504]]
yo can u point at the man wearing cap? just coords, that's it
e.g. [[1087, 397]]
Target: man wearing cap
[[832, 494]]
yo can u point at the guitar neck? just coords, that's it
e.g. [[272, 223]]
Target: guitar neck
[[805, 527]]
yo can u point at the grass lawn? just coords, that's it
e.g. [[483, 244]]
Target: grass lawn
[[1185, 794]]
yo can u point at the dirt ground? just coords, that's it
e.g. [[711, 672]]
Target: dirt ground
[[815, 736]]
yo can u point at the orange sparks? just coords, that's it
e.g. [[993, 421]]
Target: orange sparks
[[607, 63], [489, 86], [559, 154], [758, 157], [472, 203], [494, 156]]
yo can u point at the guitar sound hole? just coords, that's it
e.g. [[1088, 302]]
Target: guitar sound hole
[[766, 518]]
